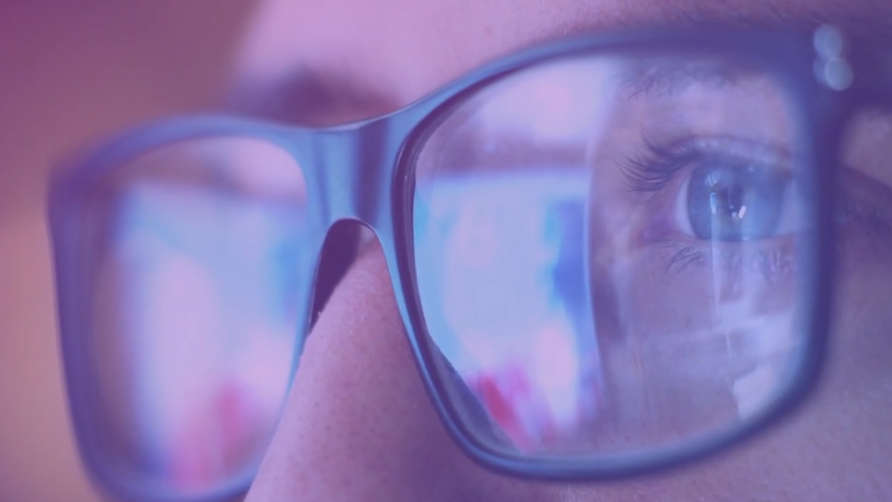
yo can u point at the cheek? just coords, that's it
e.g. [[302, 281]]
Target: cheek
[[838, 446], [843, 431], [860, 361]]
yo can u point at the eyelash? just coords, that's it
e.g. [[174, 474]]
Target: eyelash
[[653, 168]]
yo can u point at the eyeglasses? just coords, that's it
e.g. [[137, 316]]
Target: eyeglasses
[[610, 255]]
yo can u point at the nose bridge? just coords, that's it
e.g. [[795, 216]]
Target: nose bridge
[[353, 166]]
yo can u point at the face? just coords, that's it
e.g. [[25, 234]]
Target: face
[[358, 424]]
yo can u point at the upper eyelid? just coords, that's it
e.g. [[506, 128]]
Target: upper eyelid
[[650, 169], [656, 166]]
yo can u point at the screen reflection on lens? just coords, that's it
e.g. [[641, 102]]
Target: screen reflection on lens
[[194, 310], [606, 251]]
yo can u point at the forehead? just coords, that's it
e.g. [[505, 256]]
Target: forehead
[[349, 59]]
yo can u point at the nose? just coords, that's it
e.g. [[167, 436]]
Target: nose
[[358, 424]]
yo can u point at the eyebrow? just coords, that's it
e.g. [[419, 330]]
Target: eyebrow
[[311, 97], [670, 75], [874, 18], [318, 96]]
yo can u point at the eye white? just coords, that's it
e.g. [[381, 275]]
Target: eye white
[[791, 217], [681, 218]]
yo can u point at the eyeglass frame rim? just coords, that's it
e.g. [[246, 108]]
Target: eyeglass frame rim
[[392, 224]]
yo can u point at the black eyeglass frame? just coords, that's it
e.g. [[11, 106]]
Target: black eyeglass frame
[[365, 172]]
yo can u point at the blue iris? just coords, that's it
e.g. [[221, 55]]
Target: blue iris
[[728, 202]]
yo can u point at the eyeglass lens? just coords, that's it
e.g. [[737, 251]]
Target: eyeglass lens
[[608, 252], [195, 303]]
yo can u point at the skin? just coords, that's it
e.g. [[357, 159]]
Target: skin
[[358, 424]]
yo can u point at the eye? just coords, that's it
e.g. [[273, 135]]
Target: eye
[[727, 201]]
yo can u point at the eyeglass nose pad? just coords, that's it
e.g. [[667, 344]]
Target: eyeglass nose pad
[[339, 250]]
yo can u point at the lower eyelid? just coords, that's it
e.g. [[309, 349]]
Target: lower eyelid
[[773, 259]]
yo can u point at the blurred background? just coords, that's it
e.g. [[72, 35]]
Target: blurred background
[[69, 72]]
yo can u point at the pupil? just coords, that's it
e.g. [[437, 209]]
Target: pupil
[[734, 203], [728, 200]]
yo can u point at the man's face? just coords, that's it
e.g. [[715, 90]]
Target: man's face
[[358, 424]]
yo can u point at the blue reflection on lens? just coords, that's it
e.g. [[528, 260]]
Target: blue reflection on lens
[[502, 275], [210, 321]]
